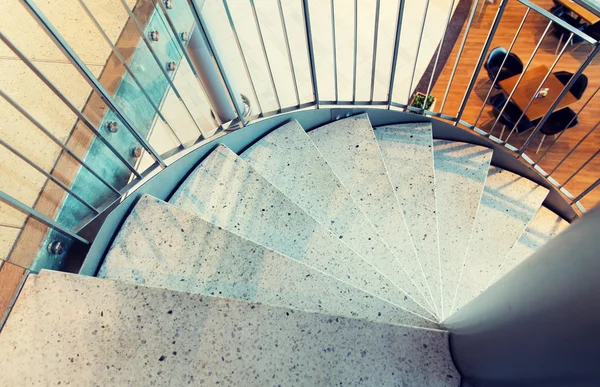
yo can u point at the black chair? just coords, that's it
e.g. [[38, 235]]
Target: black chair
[[512, 65], [578, 87], [557, 122], [558, 8], [510, 115], [592, 30], [562, 33]]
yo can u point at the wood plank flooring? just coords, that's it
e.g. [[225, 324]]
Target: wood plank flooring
[[532, 31]]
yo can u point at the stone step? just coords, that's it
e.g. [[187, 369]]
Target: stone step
[[460, 173], [163, 246], [227, 192], [407, 152], [74, 330], [508, 204], [351, 150], [289, 160]]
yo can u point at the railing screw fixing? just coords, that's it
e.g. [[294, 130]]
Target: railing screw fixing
[[337, 117], [169, 4], [184, 36], [136, 152], [56, 247], [154, 36], [112, 126], [171, 66]]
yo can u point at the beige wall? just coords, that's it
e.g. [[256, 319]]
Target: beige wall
[[16, 177]]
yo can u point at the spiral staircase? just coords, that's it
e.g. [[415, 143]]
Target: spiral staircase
[[333, 256]]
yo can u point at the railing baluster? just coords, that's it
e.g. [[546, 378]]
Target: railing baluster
[[56, 140], [68, 103], [564, 91], [241, 51], [581, 167], [355, 50], [188, 60], [310, 50], [460, 50], [4, 197], [567, 126], [534, 96], [375, 38], [333, 39], [160, 65], [574, 149], [585, 192], [211, 46], [128, 69], [90, 78], [47, 175], [512, 44], [512, 92], [439, 50], [395, 54], [264, 50], [417, 55], [481, 60], [288, 50]]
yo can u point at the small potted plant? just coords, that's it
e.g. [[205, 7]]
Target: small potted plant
[[418, 101]]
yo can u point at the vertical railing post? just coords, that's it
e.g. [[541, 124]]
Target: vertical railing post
[[375, 39], [481, 60], [395, 54], [265, 55], [355, 51], [460, 50], [417, 55], [310, 50], [439, 50], [562, 94], [585, 192]]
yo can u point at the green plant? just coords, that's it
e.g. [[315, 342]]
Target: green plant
[[420, 98]]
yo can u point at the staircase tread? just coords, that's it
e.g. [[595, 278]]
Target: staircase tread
[[227, 192], [289, 160], [544, 226], [508, 203], [351, 150], [407, 152], [161, 245], [460, 173], [71, 329]]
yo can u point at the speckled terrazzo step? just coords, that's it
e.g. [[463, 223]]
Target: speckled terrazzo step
[[162, 246], [80, 330], [227, 192], [351, 150], [507, 205], [289, 160], [544, 226], [460, 173], [407, 152]]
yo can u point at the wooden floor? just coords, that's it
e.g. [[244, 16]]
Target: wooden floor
[[570, 61]]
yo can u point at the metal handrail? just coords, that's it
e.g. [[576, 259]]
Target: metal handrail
[[212, 43]]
